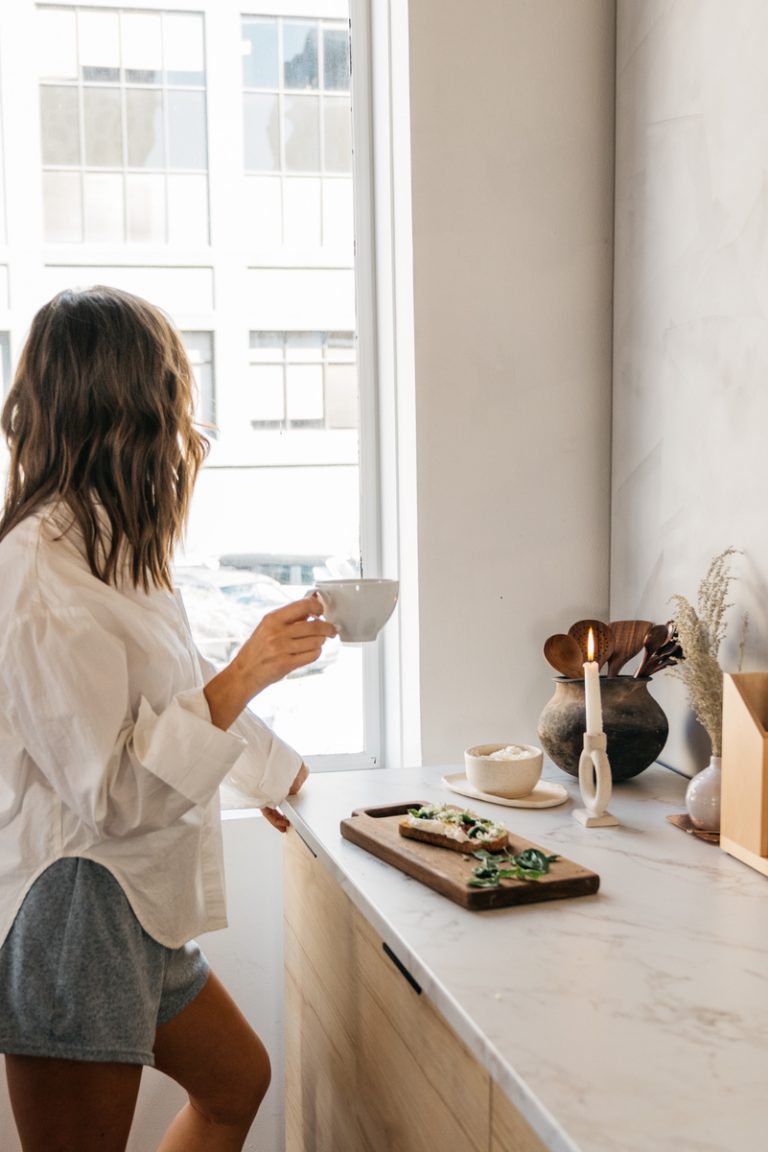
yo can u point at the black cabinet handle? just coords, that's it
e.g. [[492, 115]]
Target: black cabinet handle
[[402, 969]]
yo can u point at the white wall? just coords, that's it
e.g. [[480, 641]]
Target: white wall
[[690, 470], [512, 184]]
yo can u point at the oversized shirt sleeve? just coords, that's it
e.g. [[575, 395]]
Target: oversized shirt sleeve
[[266, 766], [122, 766]]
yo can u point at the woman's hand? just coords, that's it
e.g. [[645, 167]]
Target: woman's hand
[[286, 639], [274, 815]]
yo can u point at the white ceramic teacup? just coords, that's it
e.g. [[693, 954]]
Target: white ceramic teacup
[[508, 770], [358, 608]]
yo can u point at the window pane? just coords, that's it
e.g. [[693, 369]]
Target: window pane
[[300, 55], [304, 345], [60, 124], [103, 207], [188, 210], [263, 213], [260, 54], [187, 136], [142, 47], [338, 230], [302, 133], [267, 345], [145, 209], [199, 348], [56, 45], [5, 364], [340, 347], [268, 404], [103, 128], [305, 393], [301, 201], [99, 45], [336, 58], [262, 133], [337, 124], [62, 207], [341, 396], [184, 49], [144, 128]]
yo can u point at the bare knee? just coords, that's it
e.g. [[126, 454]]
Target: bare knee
[[236, 1103]]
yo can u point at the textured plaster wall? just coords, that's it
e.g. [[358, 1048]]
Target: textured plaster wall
[[690, 406]]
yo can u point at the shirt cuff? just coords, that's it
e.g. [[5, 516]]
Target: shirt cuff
[[267, 765], [183, 748]]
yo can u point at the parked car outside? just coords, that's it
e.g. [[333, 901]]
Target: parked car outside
[[225, 604], [297, 571]]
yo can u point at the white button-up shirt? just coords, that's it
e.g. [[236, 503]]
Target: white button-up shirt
[[107, 750]]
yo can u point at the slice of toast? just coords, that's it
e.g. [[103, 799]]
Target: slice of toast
[[456, 828]]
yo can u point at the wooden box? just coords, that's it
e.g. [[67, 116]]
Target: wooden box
[[744, 800]]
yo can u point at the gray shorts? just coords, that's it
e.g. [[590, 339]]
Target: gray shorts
[[80, 979]]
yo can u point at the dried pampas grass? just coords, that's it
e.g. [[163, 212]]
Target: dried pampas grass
[[701, 632]]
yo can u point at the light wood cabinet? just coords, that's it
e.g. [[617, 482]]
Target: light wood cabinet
[[371, 1066]]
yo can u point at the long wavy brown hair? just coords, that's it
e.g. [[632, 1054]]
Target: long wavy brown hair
[[100, 421]]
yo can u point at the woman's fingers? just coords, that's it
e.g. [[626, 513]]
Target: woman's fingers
[[301, 776], [276, 819], [288, 638]]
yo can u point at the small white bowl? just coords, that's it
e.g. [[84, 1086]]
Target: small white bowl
[[510, 777]]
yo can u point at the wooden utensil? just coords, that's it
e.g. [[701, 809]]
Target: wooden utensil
[[564, 654], [666, 656], [602, 635], [628, 639], [376, 830], [657, 635]]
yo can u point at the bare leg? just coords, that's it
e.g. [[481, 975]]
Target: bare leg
[[211, 1050], [72, 1105]]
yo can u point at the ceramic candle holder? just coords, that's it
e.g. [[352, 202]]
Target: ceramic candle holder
[[595, 783]]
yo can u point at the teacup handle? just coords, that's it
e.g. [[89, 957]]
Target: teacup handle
[[318, 593]]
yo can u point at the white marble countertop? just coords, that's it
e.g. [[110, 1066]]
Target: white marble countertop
[[634, 1020]]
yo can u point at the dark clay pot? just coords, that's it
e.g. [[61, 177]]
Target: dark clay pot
[[634, 723]]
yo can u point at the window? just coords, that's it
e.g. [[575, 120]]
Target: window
[[298, 130], [303, 380], [124, 127], [123, 135], [199, 348], [5, 365]]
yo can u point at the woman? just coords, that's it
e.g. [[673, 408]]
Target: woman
[[114, 739]]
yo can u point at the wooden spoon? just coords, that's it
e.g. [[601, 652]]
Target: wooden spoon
[[564, 654], [628, 639], [657, 635], [603, 639]]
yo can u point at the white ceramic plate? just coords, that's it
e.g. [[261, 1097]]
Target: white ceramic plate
[[546, 794]]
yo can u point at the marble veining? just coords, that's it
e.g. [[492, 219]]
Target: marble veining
[[631, 1020]]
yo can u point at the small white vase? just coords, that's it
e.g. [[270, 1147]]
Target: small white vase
[[702, 797]]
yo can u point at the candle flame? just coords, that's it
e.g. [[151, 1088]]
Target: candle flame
[[591, 645]]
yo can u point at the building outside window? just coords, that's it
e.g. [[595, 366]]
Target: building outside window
[[203, 159], [297, 130], [303, 380], [5, 364], [123, 126], [199, 349]]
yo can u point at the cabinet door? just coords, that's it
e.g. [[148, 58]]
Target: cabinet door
[[321, 1096], [370, 1065], [421, 1087], [509, 1131]]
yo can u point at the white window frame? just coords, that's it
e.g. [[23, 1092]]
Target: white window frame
[[384, 288]]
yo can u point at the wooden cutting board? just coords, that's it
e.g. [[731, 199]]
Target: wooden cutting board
[[447, 871]]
